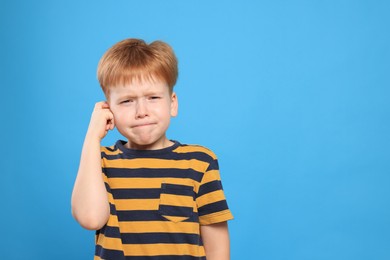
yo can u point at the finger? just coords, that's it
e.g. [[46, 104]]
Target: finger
[[112, 125], [99, 104], [110, 120], [108, 125], [102, 105], [105, 104]]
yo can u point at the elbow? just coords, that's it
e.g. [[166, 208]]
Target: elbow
[[90, 220], [91, 224]]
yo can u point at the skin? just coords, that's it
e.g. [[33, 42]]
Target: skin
[[141, 112], [216, 241]]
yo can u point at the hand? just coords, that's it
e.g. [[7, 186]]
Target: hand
[[102, 120]]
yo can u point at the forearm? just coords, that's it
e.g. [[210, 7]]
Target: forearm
[[89, 198], [219, 254]]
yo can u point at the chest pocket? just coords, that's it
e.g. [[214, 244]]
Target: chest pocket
[[176, 202]]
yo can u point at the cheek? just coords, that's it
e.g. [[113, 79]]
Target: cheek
[[119, 117]]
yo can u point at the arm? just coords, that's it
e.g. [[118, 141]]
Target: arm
[[90, 205], [216, 241]]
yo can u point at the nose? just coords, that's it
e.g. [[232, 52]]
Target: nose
[[141, 109]]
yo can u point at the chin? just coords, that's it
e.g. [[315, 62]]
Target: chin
[[142, 144]]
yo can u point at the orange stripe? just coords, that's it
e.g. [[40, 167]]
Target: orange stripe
[[109, 242], [211, 197], [195, 148], [216, 217], [113, 221], [157, 164], [108, 152], [159, 226], [163, 249], [147, 183], [211, 176], [177, 200], [137, 204], [150, 249]]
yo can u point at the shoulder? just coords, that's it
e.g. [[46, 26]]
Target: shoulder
[[194, 150], [111, 150]]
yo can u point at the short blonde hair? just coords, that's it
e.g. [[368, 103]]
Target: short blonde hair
[[133, 59]]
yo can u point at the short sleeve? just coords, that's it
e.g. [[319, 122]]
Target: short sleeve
[[211, 201]]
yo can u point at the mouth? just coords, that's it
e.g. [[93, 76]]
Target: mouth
[[142, 125]]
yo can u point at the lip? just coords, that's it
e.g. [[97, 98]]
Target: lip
[[142, 125]]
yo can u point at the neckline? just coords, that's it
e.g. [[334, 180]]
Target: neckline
[[121, 146]]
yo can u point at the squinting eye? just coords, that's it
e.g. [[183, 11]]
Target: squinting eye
[[126, 101], [154, 97]]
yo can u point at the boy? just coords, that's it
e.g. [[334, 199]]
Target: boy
[[157, 198]]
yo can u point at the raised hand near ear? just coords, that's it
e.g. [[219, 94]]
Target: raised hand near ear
[[102, 120], [90, 205]]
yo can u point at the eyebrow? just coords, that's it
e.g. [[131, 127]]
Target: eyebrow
[[125, 96], [146, 93]]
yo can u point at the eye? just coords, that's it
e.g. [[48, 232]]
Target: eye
[[126, 101], [154, 97]]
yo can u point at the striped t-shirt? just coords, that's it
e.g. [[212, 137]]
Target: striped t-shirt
[[158, 200]]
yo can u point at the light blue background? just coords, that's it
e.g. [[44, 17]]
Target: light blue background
[[293, 96]]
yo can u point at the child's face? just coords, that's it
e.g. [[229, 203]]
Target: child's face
[[142, 112]]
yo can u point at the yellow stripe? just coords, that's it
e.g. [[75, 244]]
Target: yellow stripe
[[110, 198], [216, 217], [195, 148], [163, 249], [105, 179], [113, 221], [137, 204], [177, 200], [159, 226], [211, 197], [157, 164], [175, 218], [211, 176], [109, 242], [133, 183], [150, 249], [147, 183], [153, 204], [108, 152]]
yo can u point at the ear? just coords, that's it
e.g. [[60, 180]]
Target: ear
[[174, 105]]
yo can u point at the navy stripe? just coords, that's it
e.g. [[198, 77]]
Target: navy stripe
[[109, 254], [109, 231], [150, 238], [157, 238], [149, 193], [213, 207], [112, 148], [201, 156], [148, 215], [175, 211], [209, 187], [177, 189], [165, 156], [213, 165], [136, 193], [153, 173], [176, 186], [112, 209], [107, 187]]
